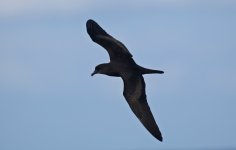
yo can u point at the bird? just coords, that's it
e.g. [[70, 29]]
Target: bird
[[123, 65]]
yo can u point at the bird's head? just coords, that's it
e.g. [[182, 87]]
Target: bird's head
[[101, 69]]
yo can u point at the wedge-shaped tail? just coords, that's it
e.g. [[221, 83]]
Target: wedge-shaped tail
[[150, 71]]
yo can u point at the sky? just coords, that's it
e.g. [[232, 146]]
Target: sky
[[49, 101]]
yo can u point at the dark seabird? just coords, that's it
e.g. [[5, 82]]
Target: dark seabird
[[122, 65]]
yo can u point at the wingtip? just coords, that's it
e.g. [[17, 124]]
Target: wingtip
[[94, 29], [158, 137], [89, 25], [90, 22]]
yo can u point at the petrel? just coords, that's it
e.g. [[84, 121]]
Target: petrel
[[123, 65]]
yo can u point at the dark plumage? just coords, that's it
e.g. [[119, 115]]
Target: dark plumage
[[122, 65]]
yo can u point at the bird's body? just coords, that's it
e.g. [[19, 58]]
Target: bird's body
[[123, 65]]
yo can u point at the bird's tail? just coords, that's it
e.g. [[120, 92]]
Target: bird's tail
[[150, 71]]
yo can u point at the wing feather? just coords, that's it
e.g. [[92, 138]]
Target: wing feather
[[114, 47], [134, 93]]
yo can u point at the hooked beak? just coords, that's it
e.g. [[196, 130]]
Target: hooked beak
[[95, 72]]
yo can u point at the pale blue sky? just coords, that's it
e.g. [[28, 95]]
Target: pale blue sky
[[49, 101]]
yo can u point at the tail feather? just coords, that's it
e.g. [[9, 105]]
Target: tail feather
[[150, 71]]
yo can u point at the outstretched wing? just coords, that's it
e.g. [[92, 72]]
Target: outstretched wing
[[114, 47], [134, 93]]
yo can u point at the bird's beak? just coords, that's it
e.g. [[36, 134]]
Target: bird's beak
[[95, 72]]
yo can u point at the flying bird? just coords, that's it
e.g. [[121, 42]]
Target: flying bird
[[123, 65]]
